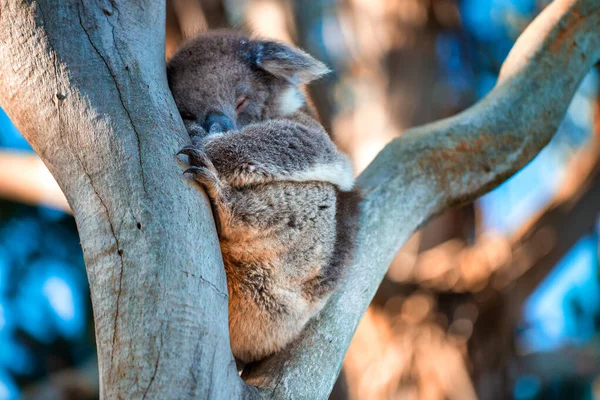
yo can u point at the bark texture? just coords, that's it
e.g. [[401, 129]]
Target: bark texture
[[85, 83]]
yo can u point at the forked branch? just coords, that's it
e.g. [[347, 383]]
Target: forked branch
[[433, 167]]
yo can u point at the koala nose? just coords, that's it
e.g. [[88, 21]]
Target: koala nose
[[217, 123]]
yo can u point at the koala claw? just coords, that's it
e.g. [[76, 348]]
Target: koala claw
[[198, 158], [208, 179], [195, 171], [202, 170], [194, 153], [187, 150]]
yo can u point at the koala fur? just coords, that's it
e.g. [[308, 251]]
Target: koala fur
[[282, 194]]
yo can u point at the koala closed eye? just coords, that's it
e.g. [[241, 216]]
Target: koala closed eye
[[241, 103]]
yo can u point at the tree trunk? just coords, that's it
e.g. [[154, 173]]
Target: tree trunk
[[85, 83]]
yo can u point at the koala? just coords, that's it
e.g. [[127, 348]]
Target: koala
[[283, 196]]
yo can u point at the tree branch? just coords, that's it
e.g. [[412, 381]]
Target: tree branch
[[439, 165]]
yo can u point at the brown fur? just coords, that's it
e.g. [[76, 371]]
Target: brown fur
[[281, 192]]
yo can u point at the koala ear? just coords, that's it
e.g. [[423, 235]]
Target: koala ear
[[287, 62]]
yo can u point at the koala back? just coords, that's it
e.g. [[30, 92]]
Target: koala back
[[287, 254]]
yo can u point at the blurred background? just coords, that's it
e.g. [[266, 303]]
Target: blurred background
[[498, 299]]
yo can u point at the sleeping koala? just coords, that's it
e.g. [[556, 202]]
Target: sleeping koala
[[282, 194]]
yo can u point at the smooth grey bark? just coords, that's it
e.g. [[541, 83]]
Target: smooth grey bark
[[85, 83]]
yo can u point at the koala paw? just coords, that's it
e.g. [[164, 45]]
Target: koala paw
[[203, 171], [207, 179], [197, 157]]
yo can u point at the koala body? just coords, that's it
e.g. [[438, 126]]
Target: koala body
[[282, 194]]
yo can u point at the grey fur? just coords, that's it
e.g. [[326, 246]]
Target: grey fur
[[282, 194]]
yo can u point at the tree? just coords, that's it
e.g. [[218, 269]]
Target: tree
[[85, 84]]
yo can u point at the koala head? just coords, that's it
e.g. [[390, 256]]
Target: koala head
[[223, 80]]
